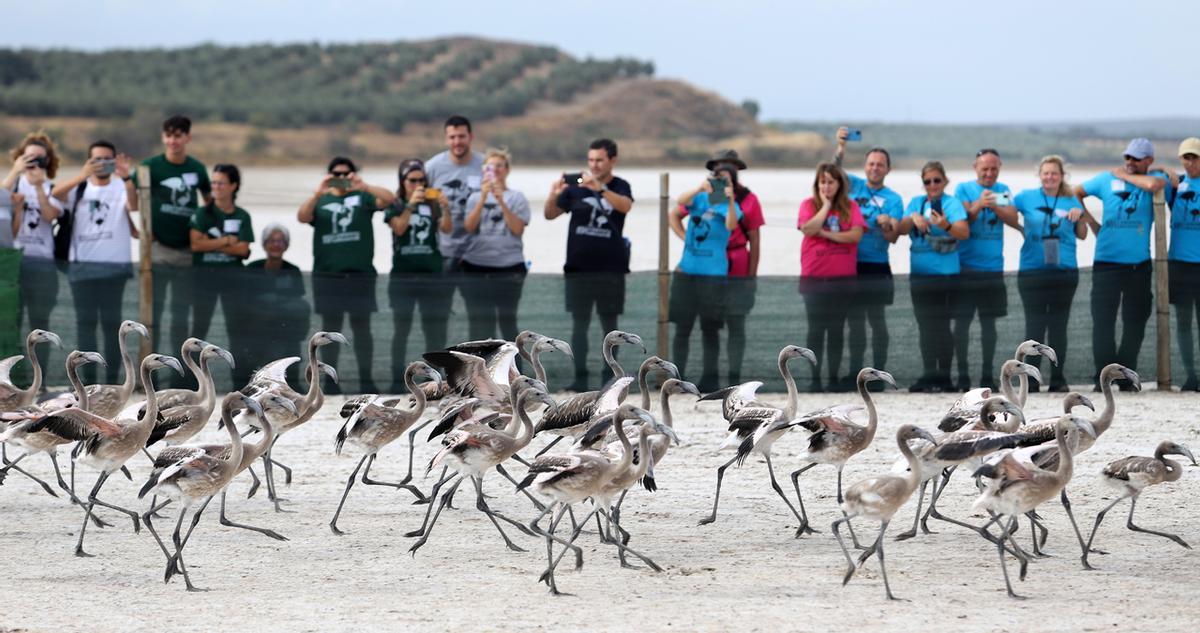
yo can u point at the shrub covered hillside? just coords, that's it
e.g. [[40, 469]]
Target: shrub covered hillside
[[297, 85]]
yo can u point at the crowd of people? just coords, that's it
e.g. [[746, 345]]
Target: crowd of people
[[457, 226]]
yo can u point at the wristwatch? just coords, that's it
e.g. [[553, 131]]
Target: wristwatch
[[603, 188]]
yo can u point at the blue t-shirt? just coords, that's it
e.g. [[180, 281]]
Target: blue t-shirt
[[984, 250], [1185, 221], [1045, 217], [1128, 213], [704, 243], [873, 247], [925, 260]]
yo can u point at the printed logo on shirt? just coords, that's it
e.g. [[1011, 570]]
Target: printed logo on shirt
[[420, 230], [493, 223], [179, 194], [457, 191], [341, 216], [598, 222], [1186, 211]]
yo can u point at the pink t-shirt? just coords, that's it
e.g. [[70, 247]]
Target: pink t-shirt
[[736, 250], [820, 257]]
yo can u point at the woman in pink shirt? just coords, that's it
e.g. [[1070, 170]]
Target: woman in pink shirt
[[832, 225]]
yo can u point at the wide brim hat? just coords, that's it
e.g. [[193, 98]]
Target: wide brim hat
[[725, 156]]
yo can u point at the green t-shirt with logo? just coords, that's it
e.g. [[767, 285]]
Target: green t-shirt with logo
[[343, 238], [175, 194], [214, 222], [416, 250]]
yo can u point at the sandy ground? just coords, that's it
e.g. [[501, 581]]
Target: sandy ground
[[745, 572]]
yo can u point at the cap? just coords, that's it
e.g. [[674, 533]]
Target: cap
[[1190, 146], [1140, 148]]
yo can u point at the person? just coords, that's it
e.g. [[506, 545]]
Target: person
[[178, 185], [1051, 220], [221, 234], [597, 251], [935, 223], [456, 172], [1184, 257], [35, 210], [832, 225], [102, 233], [882, 209], [277, 319], [694, 295], [343, 251], [989, 208], [743, 250], [416, 218], [494, 259], [1121, 272]]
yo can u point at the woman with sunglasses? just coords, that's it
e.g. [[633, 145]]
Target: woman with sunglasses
[[416, 218], [1184, 257], [1050, 219], [340, 213], [833, 225], [935, 223]]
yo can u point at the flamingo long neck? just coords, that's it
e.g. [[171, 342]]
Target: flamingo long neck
[[1066, 459], [1104, 420], [873, 416], [643, 384], [315, 397], [524, 433], [1022, 383], [1174, 469], [535, 359], [236, 449], [664, 400], [36, 385], [644, 454], [418, 394], [612, 360], [789, 412], [130, 380], [208, 392], [1006, 388], [913, 477], [626, 447], [260, 447], [81, 396], [151, 400]]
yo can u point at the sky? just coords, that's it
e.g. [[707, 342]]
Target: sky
[[934, 61]]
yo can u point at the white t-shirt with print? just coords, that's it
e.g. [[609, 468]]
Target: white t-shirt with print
[[100, 228], [35, 234]]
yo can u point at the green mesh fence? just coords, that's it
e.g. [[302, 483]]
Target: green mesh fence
[[262, 316]]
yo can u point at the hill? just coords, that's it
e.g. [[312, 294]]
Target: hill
[[304, 102]]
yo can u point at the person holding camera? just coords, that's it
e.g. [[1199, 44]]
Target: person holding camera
[[1052, 222], [597, 251], [35, 211], [833, 226], [340, 212], [935, 223], [494, 259], [1184, 257], [102, 233], [697, 287], [882, 210], [416, 218], [989, 208]]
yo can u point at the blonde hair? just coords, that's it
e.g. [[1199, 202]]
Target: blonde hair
[[40, 139], [1063, 188], [498, 152], [937, 166]]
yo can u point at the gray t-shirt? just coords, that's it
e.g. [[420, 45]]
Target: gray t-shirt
[[457, 182], [494, 245]]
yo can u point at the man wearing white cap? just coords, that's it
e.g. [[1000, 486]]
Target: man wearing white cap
[[1184, 256], [1121, 273]]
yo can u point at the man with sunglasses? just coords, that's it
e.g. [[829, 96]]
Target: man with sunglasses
[[1121, 273], [989, 207], [1184, 256], [882, 209], [597, 256], [457, 172]]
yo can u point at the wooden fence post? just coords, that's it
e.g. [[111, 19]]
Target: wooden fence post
[[664, 256], [145, 270], [1162, 325]]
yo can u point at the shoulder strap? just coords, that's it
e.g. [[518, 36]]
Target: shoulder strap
[[78, 196]]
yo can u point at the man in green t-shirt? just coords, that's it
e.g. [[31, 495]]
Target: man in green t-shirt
[[178, 183]]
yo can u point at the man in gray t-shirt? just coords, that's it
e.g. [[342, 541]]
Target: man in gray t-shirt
[[457, 173]]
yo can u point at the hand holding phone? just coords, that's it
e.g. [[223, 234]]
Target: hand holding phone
[[853, 135], [717, 193], [573, 179]]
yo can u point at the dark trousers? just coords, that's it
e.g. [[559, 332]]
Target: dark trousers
[[826, 306], [98, 304], [1185, 296], [178, 281], [433, 295], [1124, 288], [934, 305], [492, 296], [1046, 297], [873, 293], [39, 294]]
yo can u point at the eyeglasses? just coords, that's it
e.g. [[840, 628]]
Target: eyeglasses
[[340, 174], [415, 181], [933, 181]]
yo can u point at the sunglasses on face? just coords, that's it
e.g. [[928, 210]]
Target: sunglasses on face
[[987, 150], [933, 181], [415, 181], [340, 174], [1131, 159], [1190, 157]]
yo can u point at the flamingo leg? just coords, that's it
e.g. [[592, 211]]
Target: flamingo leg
[[146, 518], [482, 505], [550, 538], [803, 519], [576, 531], [429, 529], [805, 527], [1004, 534], [1066, 503], [504, 473], [412, 447], [716, 500], [429, 510], [548, 446], [180, 544], [254, 484], [223, 520], [287, 472], [70, 492], [1129, 524], [840, 499], [349, 484], [630, 551], [907, 534], [13, 466], [1096, 526], [403, 484], [850, 566], [87, 514]]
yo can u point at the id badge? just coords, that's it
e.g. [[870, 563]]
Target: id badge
[[1050, 251]]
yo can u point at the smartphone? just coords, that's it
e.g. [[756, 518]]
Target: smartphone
[[339, 183], [1002, 200], [489, 171], [108, 166], [718, 191], [853, 134], [573, 179]]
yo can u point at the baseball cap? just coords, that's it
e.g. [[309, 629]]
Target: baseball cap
[[1190, 146], [1140, 148]]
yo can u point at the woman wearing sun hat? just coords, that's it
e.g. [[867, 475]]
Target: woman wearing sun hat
[[1184, 256]]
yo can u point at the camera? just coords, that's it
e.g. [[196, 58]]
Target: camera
[[41, 162]]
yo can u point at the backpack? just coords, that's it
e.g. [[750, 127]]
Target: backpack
[[64, 226]]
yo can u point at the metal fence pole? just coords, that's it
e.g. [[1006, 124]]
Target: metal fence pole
[[664, 256], [145, 270], [1161, 298]]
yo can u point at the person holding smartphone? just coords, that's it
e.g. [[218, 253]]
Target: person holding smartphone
[[1184, 257], [416, 219], [832, 225], [1052, 222], [340, 213], [495, 257], [882, 210], [935, 223], [35, 210], [102, 233], [697, 287], [989, 208]]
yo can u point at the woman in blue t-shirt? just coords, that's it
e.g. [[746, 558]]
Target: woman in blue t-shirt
[[934, 223], [1184, 256], [697, 287], [1050, 219]]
